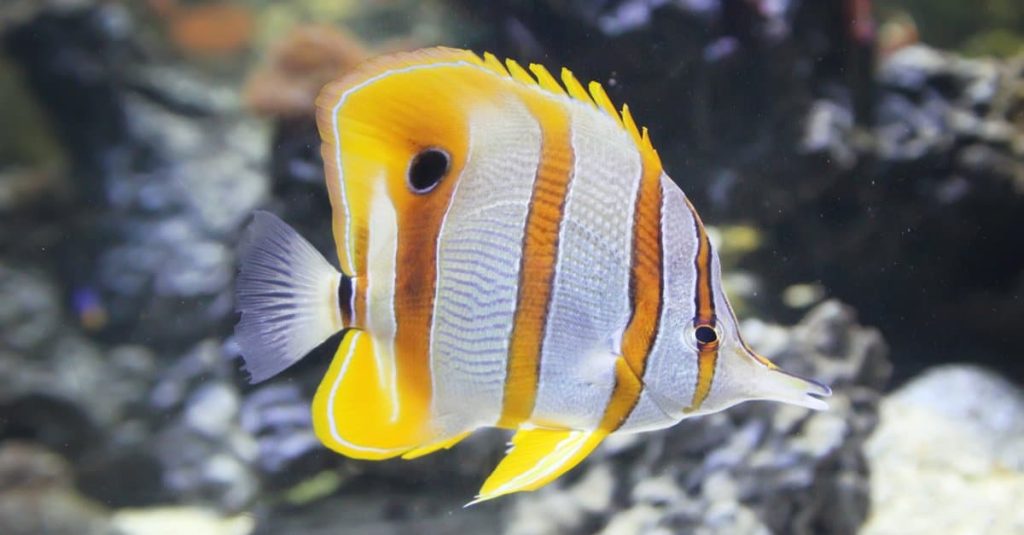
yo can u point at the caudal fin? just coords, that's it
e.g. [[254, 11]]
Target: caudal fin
[[287, 294]]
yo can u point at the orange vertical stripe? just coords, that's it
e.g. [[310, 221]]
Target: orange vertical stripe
[[707, 354], [416, 282], [646, 294], [537, 268]]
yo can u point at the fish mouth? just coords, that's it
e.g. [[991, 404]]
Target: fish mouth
[[780, 385], [790, 387], [815, 388]]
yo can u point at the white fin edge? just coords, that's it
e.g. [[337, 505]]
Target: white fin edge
[[287, 294]]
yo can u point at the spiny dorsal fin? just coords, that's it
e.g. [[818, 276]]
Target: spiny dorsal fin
[[594, 95]]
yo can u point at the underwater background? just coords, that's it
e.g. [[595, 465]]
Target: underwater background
[[860, 165]]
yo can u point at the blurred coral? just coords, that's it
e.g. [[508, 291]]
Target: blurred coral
[[308, 57]]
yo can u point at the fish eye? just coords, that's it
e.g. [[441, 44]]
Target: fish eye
[[427, 169], [705, 334]]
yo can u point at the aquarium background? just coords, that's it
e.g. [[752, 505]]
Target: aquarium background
[[860, 164]]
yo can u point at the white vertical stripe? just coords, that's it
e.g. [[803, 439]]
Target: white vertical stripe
[[671, 371], [381, 255], [590, 302], [478, 259]]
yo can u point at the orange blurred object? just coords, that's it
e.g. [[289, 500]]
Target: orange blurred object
[[302, 63], [215, 29]]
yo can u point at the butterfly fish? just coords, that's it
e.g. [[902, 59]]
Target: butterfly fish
[[512, 255]]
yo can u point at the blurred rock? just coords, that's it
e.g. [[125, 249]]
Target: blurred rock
[[37, 496], [57, 387], [278, 416], [166, 168], [380, 510], [757, 468], [948, 456], [206, 455], [30, 311]]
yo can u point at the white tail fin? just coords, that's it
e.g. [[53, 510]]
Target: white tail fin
[[287, 294]]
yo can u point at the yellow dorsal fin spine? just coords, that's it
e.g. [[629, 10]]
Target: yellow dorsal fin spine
[[494, 64], [574, 87], [630, 125], [545, 79], [603, 102], [519, 73]]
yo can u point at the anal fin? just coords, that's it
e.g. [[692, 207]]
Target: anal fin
[[537, 457], [360, 416]]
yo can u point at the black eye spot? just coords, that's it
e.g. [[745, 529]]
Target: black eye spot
[[705, 334], [427, 169]]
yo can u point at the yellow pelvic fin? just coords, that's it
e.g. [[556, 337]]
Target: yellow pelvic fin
[[538, 457], [358, 414], [435, 446]]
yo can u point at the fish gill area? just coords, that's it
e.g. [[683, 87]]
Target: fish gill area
[[865, 190]]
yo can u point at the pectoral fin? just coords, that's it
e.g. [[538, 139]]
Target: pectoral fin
[[538, 456]]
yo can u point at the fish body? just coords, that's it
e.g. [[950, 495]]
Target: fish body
[[512, 255]]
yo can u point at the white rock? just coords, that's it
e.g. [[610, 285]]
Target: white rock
[[948, 456], [180, 520]]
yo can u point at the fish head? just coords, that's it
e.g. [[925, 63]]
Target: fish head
[[396, 137], [700, 362], [741, 374]]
